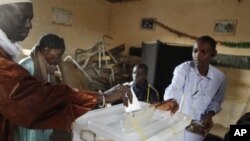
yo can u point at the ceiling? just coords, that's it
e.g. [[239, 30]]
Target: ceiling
[[119, 1]]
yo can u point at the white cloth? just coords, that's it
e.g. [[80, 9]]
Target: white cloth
[[12, 48], [28, 64], [2, 2]]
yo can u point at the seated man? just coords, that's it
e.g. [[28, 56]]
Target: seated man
[[144, 91]]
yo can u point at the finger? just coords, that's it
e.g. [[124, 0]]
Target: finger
[[125, 101], [128, 93], [164, 106], [207, 125], [210, 125], [156, 104], [75, 89], [174, 110], [130, 96]]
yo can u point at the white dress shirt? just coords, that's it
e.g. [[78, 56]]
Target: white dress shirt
[[196, 94]]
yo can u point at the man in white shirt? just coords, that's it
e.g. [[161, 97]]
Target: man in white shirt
[[197, 88]]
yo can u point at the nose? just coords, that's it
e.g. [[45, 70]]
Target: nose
[[28, 23], [135, 75], [197, 54]]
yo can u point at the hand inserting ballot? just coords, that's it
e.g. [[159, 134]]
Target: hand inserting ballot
[[118, 92]]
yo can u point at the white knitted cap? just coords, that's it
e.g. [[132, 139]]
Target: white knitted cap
[[2, 2]]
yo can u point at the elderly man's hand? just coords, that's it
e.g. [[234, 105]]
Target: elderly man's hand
[[119, 92], [169, 105]]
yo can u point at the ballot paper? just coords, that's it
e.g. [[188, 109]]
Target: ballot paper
[[135, 105]]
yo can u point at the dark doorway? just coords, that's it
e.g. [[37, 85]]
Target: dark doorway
[[161, 59]]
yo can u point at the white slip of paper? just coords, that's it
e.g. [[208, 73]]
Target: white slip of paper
[[135, 105]]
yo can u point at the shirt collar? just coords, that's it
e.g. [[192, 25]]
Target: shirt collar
[[144, 86], [209, 73]]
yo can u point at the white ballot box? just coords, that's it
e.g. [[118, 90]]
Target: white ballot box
[[114, 124]]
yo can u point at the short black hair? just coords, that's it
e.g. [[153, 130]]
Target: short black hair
[[142, 66], [207, 39], [51, 41]]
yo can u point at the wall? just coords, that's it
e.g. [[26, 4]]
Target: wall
[[194, 17], [237, 99], [90, 20]]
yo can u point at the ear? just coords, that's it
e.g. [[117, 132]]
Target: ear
[[214, 53]]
